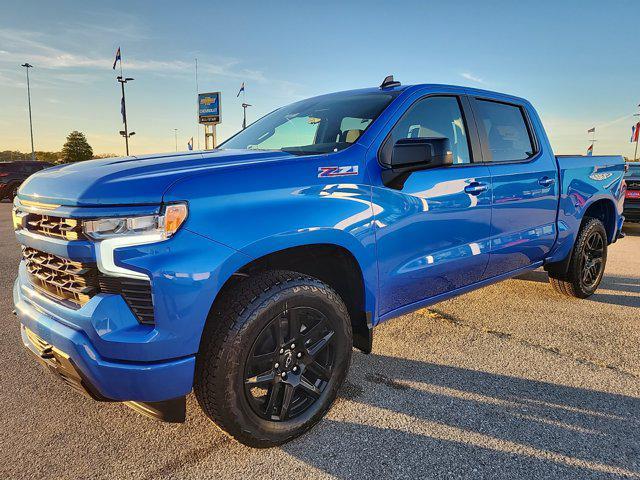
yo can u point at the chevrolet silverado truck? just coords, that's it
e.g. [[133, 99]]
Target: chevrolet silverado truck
[[248, 274]]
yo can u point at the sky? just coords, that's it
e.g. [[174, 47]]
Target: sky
[[576, 61]]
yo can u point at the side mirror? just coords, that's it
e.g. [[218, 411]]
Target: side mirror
[[413, 154]]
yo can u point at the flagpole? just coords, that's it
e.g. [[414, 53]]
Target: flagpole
[[122, 80], [592, 131], [635, 154], [197, 92], [121, 62]]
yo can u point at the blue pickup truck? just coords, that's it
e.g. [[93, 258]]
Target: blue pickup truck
[[248, 273]]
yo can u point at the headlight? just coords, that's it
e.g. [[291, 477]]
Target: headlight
[[163, 225]]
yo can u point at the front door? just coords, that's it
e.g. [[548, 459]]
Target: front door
[[432, 232], [524, 176]]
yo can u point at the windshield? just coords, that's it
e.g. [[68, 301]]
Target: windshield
[[318, 125], [634, 170]]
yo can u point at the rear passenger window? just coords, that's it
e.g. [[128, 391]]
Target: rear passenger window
[[508, 137]]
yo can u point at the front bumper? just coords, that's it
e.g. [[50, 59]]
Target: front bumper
[[64, 367], [102, 378]]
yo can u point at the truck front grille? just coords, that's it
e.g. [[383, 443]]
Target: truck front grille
[[56, 227], [75, 283]]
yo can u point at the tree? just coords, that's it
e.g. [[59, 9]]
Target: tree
[[76, 148]]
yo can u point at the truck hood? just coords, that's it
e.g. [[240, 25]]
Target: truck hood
[[131, 180]]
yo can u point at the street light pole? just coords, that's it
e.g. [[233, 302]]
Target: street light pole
[[124, 112], [244, 114], [175, 130], [27, 66]]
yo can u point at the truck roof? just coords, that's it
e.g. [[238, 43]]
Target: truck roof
[[435, 86]]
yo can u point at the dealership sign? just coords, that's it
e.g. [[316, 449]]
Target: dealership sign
[[209, 107]]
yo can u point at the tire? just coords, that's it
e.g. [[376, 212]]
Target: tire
[[586, 267], [13, 192], [247, 365]]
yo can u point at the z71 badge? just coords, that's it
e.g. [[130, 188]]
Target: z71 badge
[[337, 171]]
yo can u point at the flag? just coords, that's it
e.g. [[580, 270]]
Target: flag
[[190, 144], [592, 130], [118, 58], [123, 111], [241, 90], [590, 150], [635, 130]]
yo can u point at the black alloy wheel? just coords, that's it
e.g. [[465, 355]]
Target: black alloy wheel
[[290, 364], [592, 264]]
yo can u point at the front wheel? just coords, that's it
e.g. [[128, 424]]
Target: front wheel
[[272, 357], [588, 259]]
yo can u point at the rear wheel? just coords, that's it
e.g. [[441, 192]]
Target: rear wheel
[[272, 357], [588, 259]]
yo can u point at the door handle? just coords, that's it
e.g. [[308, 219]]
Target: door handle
[[475, 188], [546, 181]]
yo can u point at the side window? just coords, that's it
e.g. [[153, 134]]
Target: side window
[[508, 136], [436, 117]]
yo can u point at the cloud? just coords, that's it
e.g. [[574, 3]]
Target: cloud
[[38, 48], [472, 77]]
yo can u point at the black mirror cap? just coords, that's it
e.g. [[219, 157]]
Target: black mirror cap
[[413, 154], [428, 152]]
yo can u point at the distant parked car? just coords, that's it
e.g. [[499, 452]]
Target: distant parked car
[[12, 174], [632, 197]]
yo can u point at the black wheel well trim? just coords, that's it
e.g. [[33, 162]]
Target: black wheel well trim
[[330, 263]]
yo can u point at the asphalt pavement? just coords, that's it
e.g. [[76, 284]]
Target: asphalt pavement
[[510, 381]]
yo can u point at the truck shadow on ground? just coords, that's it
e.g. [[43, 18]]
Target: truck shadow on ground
[[424, 420]]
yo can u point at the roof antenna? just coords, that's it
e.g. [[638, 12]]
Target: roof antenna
[[389, 82]]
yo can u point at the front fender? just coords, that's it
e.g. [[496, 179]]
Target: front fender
[[263, 211]]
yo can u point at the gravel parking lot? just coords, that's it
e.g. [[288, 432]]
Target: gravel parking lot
[[510, 381]]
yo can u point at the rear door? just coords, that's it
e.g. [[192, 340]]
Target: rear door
[[432, 231], [524, 178]]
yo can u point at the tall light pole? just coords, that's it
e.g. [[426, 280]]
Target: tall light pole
[[124, 112], [27, 66], [175, 130]]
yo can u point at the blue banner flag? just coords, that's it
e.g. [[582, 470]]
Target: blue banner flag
[[118, 58]]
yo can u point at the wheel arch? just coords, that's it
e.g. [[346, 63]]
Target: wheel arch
[[604, 210], [333, 264]]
